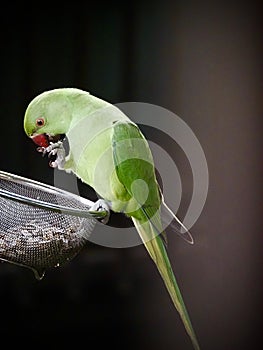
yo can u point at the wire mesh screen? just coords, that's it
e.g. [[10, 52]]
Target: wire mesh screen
[[37, 237]]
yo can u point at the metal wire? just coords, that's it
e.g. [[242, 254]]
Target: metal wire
[[42, 226]]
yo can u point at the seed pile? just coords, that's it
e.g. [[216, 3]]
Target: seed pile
[[41, 246]]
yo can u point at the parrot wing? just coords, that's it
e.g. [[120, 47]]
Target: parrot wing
[[135, 168]]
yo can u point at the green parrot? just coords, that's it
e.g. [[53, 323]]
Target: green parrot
[[108, 152]]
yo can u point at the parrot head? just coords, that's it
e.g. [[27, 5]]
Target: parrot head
[[48, 117]]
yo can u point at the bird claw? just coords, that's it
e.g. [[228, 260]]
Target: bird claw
[[53, 152], [42, 150], [101, 205], [54, 149]]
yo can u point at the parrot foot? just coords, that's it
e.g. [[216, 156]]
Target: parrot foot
[[101, 205], [55, 149]]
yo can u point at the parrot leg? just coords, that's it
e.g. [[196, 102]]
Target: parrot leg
[[102, 205], [55, 149], [60, 158], [50, 148]]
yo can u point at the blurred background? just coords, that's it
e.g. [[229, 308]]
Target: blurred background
[[202, 61]]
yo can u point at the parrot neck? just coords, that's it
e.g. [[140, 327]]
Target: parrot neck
[[84, 104]]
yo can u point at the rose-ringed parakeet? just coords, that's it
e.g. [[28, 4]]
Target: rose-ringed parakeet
[[108, 152]]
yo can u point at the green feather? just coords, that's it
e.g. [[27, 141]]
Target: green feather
[[108, 152], [147, 218]]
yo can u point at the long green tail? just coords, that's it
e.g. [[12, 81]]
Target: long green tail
[[157, 251]]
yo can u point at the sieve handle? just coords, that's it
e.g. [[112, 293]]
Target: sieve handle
[[54, 207]]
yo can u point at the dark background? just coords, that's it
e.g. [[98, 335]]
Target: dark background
[[203, 61]]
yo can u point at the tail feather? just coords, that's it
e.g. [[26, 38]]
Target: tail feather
[[169, 219], [157, 251]]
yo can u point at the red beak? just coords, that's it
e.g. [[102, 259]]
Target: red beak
[[41, 140]]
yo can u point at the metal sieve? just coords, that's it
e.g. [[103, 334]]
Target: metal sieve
[[42, 226]]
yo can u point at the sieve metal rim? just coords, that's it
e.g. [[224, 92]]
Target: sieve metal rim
[[51, 189]]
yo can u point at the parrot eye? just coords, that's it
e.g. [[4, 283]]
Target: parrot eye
[[40, 121]]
